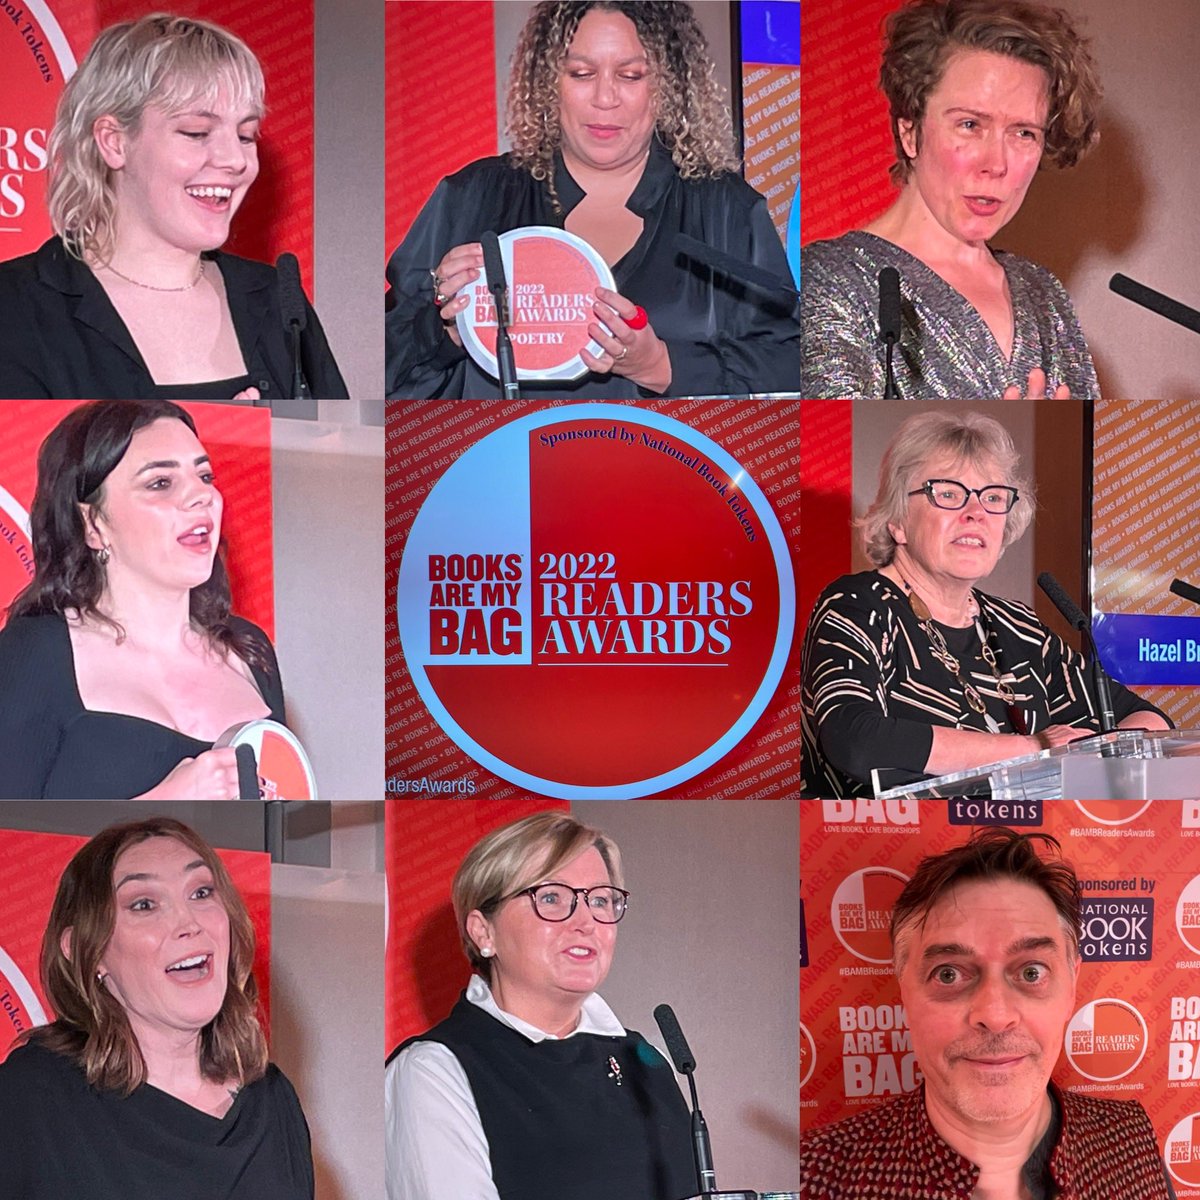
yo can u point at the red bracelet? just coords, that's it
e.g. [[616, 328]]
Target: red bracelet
[[639, 320]]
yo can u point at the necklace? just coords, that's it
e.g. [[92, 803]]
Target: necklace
[[945, 656], [150, 287]]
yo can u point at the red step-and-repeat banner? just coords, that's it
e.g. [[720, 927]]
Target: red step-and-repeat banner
[[42, 42], [30, 867], [425, 964], [238, 441], [1135, 1031]]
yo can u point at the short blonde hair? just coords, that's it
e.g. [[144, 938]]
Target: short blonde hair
[[162, 60], [517, 856], [963, 438]]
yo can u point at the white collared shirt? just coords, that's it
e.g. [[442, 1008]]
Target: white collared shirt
[[435, 1148]]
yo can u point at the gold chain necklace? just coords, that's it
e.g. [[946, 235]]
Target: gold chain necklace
[[150, 287], [945, 656]]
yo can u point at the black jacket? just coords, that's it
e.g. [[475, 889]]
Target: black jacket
[[723, 339], [61, 338]]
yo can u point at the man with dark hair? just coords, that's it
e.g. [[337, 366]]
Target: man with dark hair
[[985, 943]]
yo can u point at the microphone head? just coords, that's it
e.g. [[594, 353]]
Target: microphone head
[[889, 305], [247, 769], [1186, 590], [1059, 598], [677, 1047], [493, 261], [291, 295]]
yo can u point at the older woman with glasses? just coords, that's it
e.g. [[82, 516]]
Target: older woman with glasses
[[909, 666], [531, 1089]]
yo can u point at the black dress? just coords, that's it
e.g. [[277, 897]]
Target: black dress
[[63, 339], [723, 339], [64, 1140], [52, 748], [872, 690]]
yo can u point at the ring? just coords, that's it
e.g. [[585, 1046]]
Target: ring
[[618, 357], [439, 299], [639, 320]]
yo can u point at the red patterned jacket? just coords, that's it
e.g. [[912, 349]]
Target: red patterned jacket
[[1107, 1149]]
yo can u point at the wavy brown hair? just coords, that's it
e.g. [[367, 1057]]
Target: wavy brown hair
[[74, 461], [92, 1029], [920, 38], [692, 122]]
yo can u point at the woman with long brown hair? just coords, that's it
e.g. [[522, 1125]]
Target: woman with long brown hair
[[153, 1080]]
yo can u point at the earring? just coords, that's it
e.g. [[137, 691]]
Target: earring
[[103, 555], [100, 977], [487, 952]]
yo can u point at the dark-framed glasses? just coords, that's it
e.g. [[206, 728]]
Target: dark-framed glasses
[[557, 901], [997, 498]]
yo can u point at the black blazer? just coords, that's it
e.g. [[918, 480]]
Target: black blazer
[[63, 339]]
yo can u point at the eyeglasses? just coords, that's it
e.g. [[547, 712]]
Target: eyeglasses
[[556, 901], [996, 498]]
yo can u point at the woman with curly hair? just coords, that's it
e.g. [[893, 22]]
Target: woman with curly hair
[[154, 148], [619, 136], [121, 664], [153, 1079], [981, 93]]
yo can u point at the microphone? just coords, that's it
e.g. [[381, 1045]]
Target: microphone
[[1186, 590], [745, 273], [889, 325], [1156, 302], [247, 769], [1074, 617], [685, 1064], [295, 317], [493, 269]]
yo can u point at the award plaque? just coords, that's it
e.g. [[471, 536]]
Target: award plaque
[[284, 772], [552, 279]]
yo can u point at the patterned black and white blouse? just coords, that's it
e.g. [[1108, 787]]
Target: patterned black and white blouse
[[872, 689]]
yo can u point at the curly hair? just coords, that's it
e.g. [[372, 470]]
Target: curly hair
[[92, 1028], [920, 38], [968, 437], [158, 59], [516, 856], [692, 120], [74, 461]]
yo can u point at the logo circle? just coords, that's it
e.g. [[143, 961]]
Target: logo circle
[[1112, 812], [808, 1054], [22, 1009], [1182, 1151], [1187, 914], [861, 912], [596, 602], [1106, 1040], [16, 549]]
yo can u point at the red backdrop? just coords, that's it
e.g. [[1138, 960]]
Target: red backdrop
[[425, 965], [239, 442], [1135, 1033], [30, 866]]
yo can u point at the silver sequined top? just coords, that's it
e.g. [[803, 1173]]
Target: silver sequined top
[[946, 350]]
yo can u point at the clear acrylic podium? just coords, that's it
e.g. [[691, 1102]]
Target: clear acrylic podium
[[1129, 764]]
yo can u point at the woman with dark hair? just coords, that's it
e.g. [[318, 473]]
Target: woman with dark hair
[[982, 93], [121, 663], [153, 1080], [531, 1089], [154, 148], [619, 135]]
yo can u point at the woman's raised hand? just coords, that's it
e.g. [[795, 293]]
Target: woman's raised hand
[[1035, 388], [458, 268], [640, 355]]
